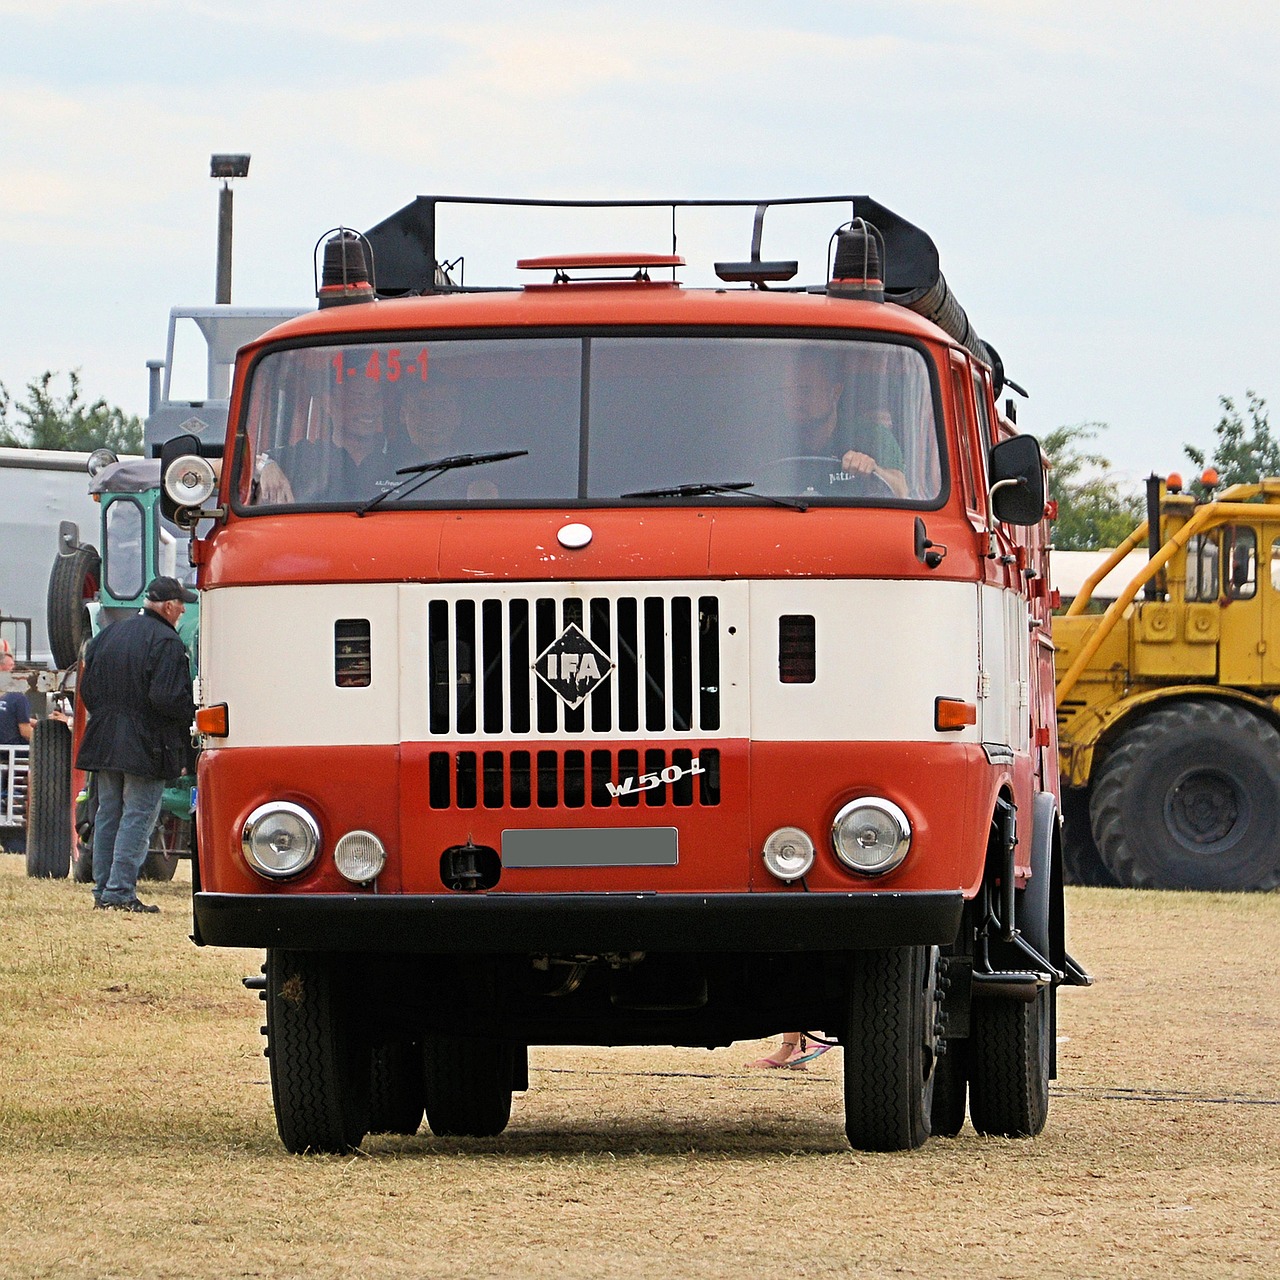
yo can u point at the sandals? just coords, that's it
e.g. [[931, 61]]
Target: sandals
[[801, 1053]]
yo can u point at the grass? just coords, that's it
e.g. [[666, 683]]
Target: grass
[[138, 1138]]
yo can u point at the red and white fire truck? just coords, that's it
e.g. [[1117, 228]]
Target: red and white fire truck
[[606, 661]]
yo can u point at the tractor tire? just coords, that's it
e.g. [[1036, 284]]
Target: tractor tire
[[468, 1085], [1010, 1062], [1189, 798], [73, 582], [170, 840], [1081, 861], [890, 1048], [49, 801], [320, 1064], [398, 1093]]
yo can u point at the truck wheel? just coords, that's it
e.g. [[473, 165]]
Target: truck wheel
[[74, 581], [49, 800], [320, 1065], [890, 1048], [1190, 799], [397, 1094], [1009, 1065], [1081, 862], [468, 1086]]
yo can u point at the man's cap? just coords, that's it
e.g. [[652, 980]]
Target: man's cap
[[161, 589]]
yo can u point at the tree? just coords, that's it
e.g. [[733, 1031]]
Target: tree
[[1094, 509], [49, 421], [1244, 452]]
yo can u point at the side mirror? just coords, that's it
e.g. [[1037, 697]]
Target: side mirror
[[1017, 481]]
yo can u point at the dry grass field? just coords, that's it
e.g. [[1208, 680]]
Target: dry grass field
[[137, 1137]]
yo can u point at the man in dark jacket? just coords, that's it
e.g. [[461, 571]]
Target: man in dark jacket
[[136, 686]]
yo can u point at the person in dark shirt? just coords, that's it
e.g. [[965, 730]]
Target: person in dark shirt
[[15, 719], [430, 426], [136, 687]]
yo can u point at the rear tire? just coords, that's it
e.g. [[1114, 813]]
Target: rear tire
[[320, 1065], [398, 1093], [1009, 1065], [468, 1086], [1189, 798], [890, 1048], [1081, 861], [170, 839], [49, 801], [72, 583]]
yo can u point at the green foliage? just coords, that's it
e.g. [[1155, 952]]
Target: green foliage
[[46, 420], [1244, 451], [1094, 508]]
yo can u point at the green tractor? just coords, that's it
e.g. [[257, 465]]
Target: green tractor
[[88, 591]]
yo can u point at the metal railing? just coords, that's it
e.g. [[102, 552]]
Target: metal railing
[[13, 786]]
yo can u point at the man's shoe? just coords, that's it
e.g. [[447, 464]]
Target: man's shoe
[[98, 904], [135, 906]]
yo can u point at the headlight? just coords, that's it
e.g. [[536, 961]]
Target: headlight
[[871, 835], [788, 853], [359, 856], [280, 839], [190, 481]]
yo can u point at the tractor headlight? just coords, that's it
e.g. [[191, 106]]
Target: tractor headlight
[[871, 835], [788, 853], [360, 856], [280, 839]]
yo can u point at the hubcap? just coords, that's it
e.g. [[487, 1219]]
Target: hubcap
[[1206, 810]]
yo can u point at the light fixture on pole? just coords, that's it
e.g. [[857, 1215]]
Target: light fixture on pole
[[226, 167]]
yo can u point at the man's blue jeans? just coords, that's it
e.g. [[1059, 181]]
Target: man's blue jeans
[[128, 807]]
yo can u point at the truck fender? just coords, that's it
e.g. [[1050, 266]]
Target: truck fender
[[1035, 917]]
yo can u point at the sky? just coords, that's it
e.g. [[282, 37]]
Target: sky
[[1101, 180]]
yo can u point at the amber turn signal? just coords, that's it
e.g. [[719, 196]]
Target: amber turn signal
[[212, 721], [951, 713]]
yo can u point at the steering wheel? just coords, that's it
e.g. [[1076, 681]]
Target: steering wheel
[[812, 476]]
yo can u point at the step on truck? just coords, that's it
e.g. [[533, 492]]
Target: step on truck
[[1169, 701], [608, 661]]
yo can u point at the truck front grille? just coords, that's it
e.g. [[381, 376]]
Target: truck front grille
[[661, 653], [549, 779]]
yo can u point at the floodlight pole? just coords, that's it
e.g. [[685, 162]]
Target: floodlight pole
[[223, 291]]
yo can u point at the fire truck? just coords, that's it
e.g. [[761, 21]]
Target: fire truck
[[609, 661]]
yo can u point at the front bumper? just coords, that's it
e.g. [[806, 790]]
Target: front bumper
[[562, 924]]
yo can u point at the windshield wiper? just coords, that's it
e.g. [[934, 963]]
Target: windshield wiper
[[425, 472], [732, 488]]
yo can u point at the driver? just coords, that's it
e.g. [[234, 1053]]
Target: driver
[[812, 396]]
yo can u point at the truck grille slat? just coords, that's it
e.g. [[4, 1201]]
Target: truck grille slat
[[550, 779], [664, 652]]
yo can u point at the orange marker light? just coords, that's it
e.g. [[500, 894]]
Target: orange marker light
[[951, 713], [1174, 482], [212, 721], [1209, 478]]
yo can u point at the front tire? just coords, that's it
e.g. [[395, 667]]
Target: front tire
[[320, 1065], [1189, 798], [468, 1086], [890, 1048], [49, 801]]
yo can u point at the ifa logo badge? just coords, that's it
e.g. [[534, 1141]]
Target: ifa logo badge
[[573, 666]]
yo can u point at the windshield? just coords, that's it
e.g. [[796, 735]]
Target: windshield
[[841, 421]]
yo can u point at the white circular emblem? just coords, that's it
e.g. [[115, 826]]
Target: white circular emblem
[[574, 536]]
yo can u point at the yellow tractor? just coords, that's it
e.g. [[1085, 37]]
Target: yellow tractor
[[1169, 704]]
